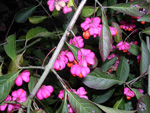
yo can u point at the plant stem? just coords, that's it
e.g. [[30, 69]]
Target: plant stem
[[32, 67], [58, 49]]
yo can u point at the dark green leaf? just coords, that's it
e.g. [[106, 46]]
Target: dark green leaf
[[118, 103], [134, 49], [146, 31], [60, 108], [32, 83], [108, 63], [123, 69], [137, 93], [145, 18], [24, 14], [10, 48], [145, 58], [37, 19], [88, 11], [6, 82], [100, 80], [105, 41], [132, 8], [81, 105]]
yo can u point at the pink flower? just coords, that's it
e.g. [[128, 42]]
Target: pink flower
[[70, 109], [111, 56], [61, 94], [77, 41], [67, 9], [24, 76], [124, 46], [82, 93], [128, 92], [44, 92], [141, 90], [19, 95], [3, 107]]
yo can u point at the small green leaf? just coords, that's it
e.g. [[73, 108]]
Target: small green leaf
[[134, 49], [87, 11], [105, 41], [123, 69], [32, 83], [6, 82], [100, 80], [137, 93], [118, 103], [10, 48], [113, 110], [81, 105], [145, 18], [131, 8], [37, 32], [71, 3], [24, 14], [145, 58], [146, 30], [37, 19]]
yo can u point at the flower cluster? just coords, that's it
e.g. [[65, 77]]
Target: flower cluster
[[128, 26], [93, 27], [123, 46], [59, 4], [77, 41]]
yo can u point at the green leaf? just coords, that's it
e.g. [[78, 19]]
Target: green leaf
[[105, 41], [137, 93], [134, 49], [24, 14], [143, 104], [37, 19], [65, 106], [71, 3], [108, 63], [117, 37], [146, 30], [60, 108], [38, 111], [10, 48], [118, 103], [145, 18], [123, 69], [32, 83], [103, 97], [100, 80], [87, 11], [145, 58], [113, 110], [6, 82], [131, 8], [74, 50], [148, 1], [81, 105], [37, 32]]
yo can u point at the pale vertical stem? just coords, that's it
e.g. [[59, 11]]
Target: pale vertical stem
[[148, 46], [58, 49]]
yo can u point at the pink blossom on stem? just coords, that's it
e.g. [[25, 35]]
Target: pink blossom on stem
[[128, 93], [111, 56], [77, 41], [81, 92], [67, 9], [124, 46], [61, 94], [3, 107]]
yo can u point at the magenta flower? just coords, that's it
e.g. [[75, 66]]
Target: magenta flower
[[82, 93], [61, 94], [3, 107], [128, 93], [70, 109], [24, 76], [124, 46], [44, 92], [111, 56], [19, 95], [67, 9], [77, 41]]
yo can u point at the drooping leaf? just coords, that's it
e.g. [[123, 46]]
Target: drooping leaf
[[108, 63], [143, 104], [117, 37], [6, 82], [37, 19], [105, 41], [137, 93], [87, 11], [81, 105], [74, 50], [32, 83], [145, 18], [37, 32], [132, 8], [10, 48], [24, 14], [145, 58], [146, 30], [100, 80], [118, 103], [113, 110], [123, 69], [134, 49]]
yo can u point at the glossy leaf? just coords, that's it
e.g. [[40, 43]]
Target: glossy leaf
[[37, 19], [113, 110], [10, 48], [108, 63], [123, 69], [146, 31], [87, 11], [143, 104], [134, 49], [145, 18], [37, 32], [145, 58], [32, 83], [117, 37], [74, 50], [105, 41], [81, 105], [24, 14], [100, 80], [137, 93], [6, 82], [131, 8]]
